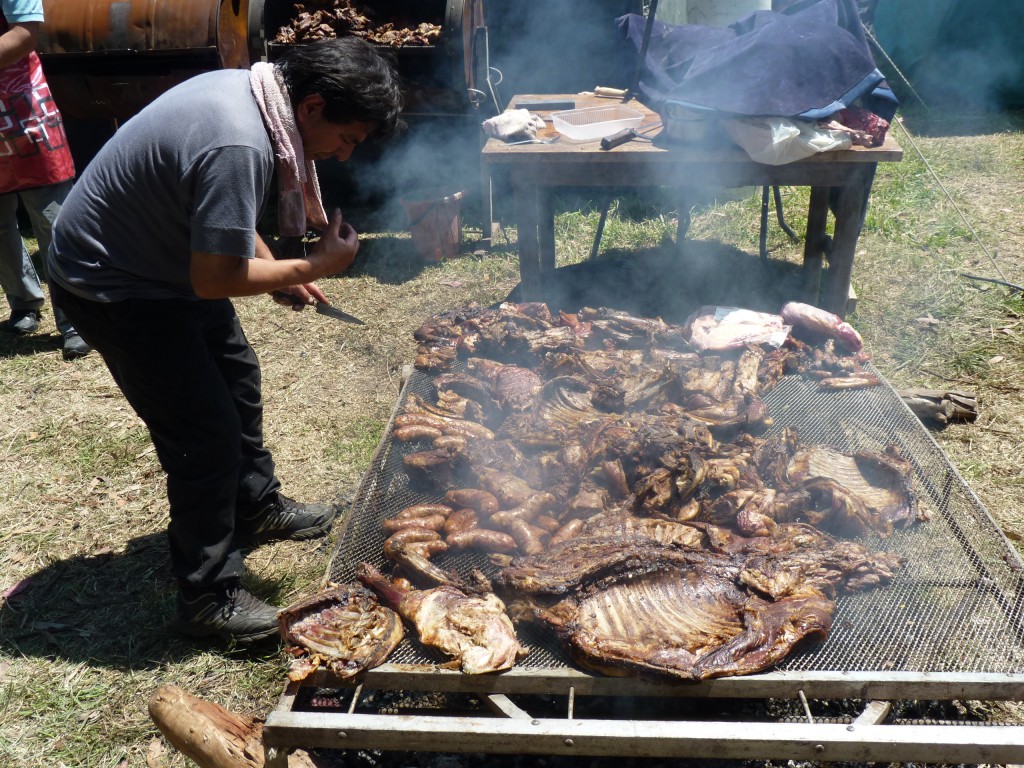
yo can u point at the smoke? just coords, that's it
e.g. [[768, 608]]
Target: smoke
[[560, 46], [959, 55]]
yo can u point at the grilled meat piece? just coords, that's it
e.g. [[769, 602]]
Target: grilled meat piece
[[515, 386], [684, 623], [437, 355], [859, 492], [474, 389], [843, 563], [344, 628], [475, 631], [814, 324], [566, 566]]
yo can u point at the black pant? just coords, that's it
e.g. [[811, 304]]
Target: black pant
[[191, 376]]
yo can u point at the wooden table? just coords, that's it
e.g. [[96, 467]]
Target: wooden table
[[536, 170]]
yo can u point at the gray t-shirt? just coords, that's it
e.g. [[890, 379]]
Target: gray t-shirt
[[191, 172]]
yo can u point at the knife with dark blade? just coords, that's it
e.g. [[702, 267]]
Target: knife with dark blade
[[322, 308]]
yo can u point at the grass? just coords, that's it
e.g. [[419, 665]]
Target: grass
[[83, 638]]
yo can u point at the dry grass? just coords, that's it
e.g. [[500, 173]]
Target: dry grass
[[84, 644]]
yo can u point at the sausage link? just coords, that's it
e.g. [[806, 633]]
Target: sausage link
[[531, 539], [482, 501], [416, 432], [433, 522], [568, 531], [419, 419], [460, 520], [424, 510], [453, 443], [547, 522], [410, 538], [466, 429], [482, 538]]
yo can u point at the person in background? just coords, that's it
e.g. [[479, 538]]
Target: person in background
[[158, 233], [35, 167]]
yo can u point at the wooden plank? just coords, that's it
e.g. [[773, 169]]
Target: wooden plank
[[874, 713], [528, 236], [815, 243], [653, 738], [849, 214]]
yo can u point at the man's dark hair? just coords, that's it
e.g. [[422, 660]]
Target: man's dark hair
[[356, 81]]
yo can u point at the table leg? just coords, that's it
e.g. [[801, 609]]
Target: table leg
[[546, 230], [487, 226], [849, 213], [527, 234], [815, 243]]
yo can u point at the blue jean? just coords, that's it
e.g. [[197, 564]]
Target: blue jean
[[18, 277]]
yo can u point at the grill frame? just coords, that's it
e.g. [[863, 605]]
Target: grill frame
[[662, 724]]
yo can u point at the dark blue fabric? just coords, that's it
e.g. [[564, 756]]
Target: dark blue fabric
[[808, 61]]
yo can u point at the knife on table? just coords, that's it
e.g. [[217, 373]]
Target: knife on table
[[322, 308]]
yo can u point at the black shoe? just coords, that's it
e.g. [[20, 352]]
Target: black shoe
[[75, 346], [284, 519], [23, 322], [231, 614]]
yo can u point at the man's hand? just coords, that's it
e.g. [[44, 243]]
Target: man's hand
[[336, 249], [298, 297], [216, 276]]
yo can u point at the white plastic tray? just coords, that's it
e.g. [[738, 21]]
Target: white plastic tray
[[595, 122]]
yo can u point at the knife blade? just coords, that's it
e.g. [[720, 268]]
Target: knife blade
[[322, 308], [330, 310]]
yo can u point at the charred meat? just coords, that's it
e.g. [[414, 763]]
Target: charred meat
[[344, 628]]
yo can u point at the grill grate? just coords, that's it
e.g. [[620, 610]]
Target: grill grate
[[956, 607]]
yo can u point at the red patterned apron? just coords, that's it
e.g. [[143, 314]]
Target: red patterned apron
[[33, 147]]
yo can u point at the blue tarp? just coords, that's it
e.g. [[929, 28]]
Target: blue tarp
[[808, 61]]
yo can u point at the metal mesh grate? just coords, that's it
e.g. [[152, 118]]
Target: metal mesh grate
[[957, 606]]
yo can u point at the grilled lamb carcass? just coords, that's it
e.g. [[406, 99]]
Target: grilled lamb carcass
[[475, 631], [344, 628], [639, 607], [687, 625]]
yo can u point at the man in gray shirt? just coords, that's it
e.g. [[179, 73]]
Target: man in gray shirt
[[158, 233]]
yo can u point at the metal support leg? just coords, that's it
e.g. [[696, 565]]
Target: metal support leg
[[600, 228], [763, 242], [782, 221], [777, 195]]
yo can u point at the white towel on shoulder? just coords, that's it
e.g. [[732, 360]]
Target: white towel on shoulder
[[299, 203]]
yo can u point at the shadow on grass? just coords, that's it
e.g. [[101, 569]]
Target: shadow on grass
[[108, 609], [671, 284], [12, 345]]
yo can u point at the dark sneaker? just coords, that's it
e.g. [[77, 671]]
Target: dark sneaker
[[230, 614], [23, 322], [75, 346], [284, 519]]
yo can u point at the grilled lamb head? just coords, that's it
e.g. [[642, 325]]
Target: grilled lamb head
[[345, 628]]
